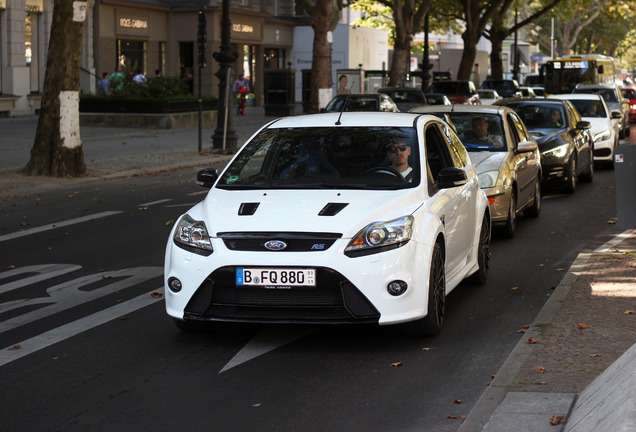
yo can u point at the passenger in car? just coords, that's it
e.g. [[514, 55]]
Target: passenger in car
[[398, 152], [481, 134], [555, 119]]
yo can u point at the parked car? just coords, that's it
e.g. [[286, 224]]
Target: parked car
[[629, 93], [405, 97], [488, 97], [614, 101], [566, 143], [538, 90], [507, 88], [458, 92], [361, 102], [314, 221], [604, 129], [507, 160], [437, 99]]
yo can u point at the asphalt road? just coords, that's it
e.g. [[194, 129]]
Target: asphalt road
[[85, 344]]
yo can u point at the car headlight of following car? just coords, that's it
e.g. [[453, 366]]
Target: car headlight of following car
[[559, 151], [603, 136], [192, 235], [488, 179], [381, 236]]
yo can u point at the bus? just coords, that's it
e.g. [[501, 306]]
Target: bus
[[564, 73]]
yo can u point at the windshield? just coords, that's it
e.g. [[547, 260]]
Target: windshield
[[606, 93], [406, 96], [353, 103], [589, 108], [541, 115], [629, 93], [327, 158], [451, 88], [479, 131], [563, 76]]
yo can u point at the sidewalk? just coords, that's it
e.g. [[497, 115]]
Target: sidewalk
[[114, 152], [582, 331]]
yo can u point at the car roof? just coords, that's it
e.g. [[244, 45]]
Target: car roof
[[577, 96], [530, 100], [594, 86], [483, 109], [389, 89], [349, 118]]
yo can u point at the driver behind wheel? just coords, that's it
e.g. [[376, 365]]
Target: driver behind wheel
[[398, 152]]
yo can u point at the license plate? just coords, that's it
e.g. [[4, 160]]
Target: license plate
[[277, 277]]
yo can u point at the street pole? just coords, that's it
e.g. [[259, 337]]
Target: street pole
[[201, 46], [225, 137], [515, 68]]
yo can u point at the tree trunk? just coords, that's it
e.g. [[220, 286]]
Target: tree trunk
[[468, 55], [401, 60], [322, 22], [57, 149]]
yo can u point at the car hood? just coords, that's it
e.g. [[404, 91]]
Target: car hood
[[542, 136], [599, 124], [487, 161], [344, 211]]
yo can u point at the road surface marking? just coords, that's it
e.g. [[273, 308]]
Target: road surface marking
[[266, 340], [44, 340], [154, 202], [61, 224], [44, 272]]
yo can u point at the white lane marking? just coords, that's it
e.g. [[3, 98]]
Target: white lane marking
[[44, 340], [198, 193], [73, 293], [266, 340], [61, 224], [148, 204], [181, 205], [44, 272]]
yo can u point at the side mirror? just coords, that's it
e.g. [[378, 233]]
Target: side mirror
[[583, 124], [451, 177], [616, 115], [526, 146], [207, 177]]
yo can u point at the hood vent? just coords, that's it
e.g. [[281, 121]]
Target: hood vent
[[332, 209], [248, 209]]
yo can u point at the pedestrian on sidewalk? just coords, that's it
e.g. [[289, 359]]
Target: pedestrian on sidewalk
[[241, 88], [103, 85], [116, 81]]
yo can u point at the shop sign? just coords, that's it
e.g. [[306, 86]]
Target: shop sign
[[33, 6], [132, 24]]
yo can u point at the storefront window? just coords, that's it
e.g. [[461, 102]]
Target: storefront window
[[274, 58], [131, 56]]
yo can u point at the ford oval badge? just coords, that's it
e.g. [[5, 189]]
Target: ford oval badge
[[275, 245]]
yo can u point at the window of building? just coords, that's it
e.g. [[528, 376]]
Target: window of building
[[186, 64], [274, 58], [131, 56], [162, 60]]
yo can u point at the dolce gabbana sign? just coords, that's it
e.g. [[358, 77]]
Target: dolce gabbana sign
[[132, 24]]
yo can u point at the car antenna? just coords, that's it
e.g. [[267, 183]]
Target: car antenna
[[338, 123]]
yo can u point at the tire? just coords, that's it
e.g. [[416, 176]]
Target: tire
[[483, 254], [626, 129], [535, 210], [431, 324], [509, 229], [570, 186], [588, 176]]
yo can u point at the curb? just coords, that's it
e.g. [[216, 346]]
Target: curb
[[487, 404]]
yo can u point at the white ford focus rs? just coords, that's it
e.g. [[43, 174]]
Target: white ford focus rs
[[331, 219]]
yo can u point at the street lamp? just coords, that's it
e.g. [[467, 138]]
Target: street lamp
[[224, 138]]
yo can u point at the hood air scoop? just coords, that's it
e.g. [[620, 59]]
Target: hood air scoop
[[248, 209], [332, 209]]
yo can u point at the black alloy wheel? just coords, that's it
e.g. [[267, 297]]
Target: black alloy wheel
[[570, 186], [483, 254]]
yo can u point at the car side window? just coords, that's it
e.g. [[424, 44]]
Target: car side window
[[514, 132], [457, 150], [573, 114], [437, 153], [520, 128]]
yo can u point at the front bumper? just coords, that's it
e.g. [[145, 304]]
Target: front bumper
[[348, 290]]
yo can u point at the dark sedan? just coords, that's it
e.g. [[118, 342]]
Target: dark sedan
[[564, 139]]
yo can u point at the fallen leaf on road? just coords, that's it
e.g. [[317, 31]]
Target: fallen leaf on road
[[457, 401], [557, 419], [521, 331], [107, 277], [560, 269], [540, 369], [143, 208], [539, 265], [10, 267], [581, 326], [515, 288], [451, 417], [595, 355], [615, 250], [531, 341], [629, 312], [396, 364], [156, 294], [14, 347], [611, 222], [170, 222]]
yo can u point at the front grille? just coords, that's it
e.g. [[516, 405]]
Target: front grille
[[333, 300], [602, 152], [295, 241]]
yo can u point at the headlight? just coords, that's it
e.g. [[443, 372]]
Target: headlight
[[633, 107], [488, 179], [559, 151], [603, 136], [192, 235], [381, 236]]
